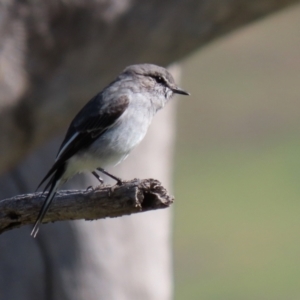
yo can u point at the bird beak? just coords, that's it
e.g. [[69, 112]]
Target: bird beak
[[178, 90]]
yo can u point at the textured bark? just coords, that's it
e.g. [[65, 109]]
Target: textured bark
[[103, 202]]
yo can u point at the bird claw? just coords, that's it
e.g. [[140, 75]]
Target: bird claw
[[112, 188], [120, 182], [89, 188]]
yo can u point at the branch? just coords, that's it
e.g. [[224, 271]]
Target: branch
[[105, 201]]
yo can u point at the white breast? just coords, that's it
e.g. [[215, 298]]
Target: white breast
[[115, 144]]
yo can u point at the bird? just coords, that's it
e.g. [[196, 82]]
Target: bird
[[109, 126]]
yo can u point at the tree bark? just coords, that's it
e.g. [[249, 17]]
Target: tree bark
[[103, 202]]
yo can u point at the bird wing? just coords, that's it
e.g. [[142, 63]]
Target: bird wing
[[90, 123]]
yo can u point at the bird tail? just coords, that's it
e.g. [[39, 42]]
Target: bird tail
[[54, 184]]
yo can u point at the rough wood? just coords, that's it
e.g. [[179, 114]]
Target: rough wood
[[102, 202]]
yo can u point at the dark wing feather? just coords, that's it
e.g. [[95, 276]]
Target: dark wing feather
[[92, 121]]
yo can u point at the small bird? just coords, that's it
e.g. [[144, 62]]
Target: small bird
[[109, 126]]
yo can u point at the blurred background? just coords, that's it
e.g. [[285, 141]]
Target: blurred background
[[235, 222], [237, 166]]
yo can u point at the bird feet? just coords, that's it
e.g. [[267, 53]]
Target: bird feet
[[98, 177], [89, 189]]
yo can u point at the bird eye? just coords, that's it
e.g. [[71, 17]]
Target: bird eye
[[160, 79]]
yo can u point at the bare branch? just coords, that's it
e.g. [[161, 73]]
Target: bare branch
[[105, 201]]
